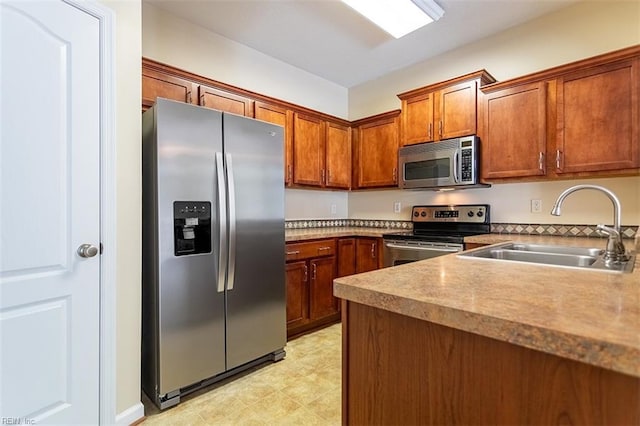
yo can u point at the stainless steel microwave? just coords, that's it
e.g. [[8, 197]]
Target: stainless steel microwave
[[451, 163]]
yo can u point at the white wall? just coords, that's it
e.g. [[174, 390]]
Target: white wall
[[580, 31], [176, 42], [308, 204], [511, 203], [128, 187]]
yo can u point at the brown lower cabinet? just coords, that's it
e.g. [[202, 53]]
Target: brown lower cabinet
[[399, 370], [310, 270]]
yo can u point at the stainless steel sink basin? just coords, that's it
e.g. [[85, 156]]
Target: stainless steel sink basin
[[578, 257]]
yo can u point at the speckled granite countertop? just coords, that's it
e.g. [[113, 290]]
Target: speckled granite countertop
[[336, 232], [588, 316]]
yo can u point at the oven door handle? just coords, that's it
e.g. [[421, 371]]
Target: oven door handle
[[446, 249]]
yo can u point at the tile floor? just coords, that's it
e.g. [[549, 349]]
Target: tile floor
[[304, 388]]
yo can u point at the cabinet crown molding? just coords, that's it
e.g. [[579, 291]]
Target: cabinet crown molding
[[483, 75]]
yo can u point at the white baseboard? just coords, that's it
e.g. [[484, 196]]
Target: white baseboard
[[131, 414]]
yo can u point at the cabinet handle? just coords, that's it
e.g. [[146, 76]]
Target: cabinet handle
[[430, 126], [314, 273], [323, 181], [558, 156], [395, 174], [541, 162], [202, 100], [373, 250], [189, 97], [306, 273], [288, 172], [440, 130], [324, 248], [291, 253]]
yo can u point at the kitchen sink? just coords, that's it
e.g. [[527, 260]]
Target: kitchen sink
[[568, 256]]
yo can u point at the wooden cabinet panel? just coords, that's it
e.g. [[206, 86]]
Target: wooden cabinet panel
[[156, 84], [338, 156], [322, 303], [598, 118], [399, 370], [283, 117], [310, 270], [225, 101], [378, 153], [417, 119], [297, 278], [367, 257], [346, 257], [515, 125], [456, 111], [308, 150]]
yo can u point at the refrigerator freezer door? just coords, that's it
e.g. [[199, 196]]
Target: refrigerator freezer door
[[256, 302], [191, 311]]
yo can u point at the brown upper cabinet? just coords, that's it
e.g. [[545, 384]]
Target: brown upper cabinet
[[598, 119], [225, 101], [321, 152], [442, 111], [308, 150], [338, 156], [576, 120], [376, 150], [157, 84], [515, 126], [284, 117]]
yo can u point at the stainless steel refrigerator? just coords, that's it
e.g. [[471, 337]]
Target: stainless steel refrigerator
[[213, 247]]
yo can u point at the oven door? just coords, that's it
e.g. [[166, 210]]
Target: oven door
[[398, 252]]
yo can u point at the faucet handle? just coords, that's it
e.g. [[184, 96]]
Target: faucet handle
[[607, 230]]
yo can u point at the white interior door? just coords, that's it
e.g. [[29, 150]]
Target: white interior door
[[49, 206]]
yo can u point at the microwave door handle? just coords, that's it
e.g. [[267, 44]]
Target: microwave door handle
[[456, 163]]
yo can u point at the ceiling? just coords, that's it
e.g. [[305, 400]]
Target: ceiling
[[329, 39]]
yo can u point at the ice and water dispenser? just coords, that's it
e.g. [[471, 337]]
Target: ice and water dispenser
[[191, 227]]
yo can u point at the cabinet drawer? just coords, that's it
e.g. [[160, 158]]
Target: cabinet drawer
[[307, 250]]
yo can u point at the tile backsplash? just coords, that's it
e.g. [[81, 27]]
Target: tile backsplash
[[496, 228]]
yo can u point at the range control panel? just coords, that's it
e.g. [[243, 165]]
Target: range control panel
[[468, 213]]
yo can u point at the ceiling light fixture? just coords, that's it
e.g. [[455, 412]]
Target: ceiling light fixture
[[398, 17]]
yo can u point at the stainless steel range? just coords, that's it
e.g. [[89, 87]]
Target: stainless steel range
[[437, 230]]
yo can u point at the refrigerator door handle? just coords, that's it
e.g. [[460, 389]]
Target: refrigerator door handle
[[222, 218], [232, 224]]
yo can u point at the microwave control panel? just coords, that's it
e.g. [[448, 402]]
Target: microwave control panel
[[466, 160]]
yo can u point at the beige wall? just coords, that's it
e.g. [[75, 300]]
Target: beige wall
[[583, 30], [177, 42], [128, 187], [576, 32], [307, 204]]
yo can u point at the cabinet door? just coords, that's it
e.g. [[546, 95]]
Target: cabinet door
[[284, 117], [366, 254], [156, 84], [417, 119], [308, 150], [338, 156], [346, 256], [225, 101], [321, 300], [515, 126], [456, 110], [297, 277], [378, 153], [598, 119]]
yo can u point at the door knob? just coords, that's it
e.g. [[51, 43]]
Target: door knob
[[87, 250]]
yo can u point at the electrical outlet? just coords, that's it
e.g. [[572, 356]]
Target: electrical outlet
[[397, 206], [536, 206], [333, 209]]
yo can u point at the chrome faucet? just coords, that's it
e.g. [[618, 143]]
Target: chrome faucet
[[615, 251]]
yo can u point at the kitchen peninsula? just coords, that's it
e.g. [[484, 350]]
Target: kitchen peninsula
[[455, 340]]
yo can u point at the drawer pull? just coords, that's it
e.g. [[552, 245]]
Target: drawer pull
[[292, 253], [324, 248]]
